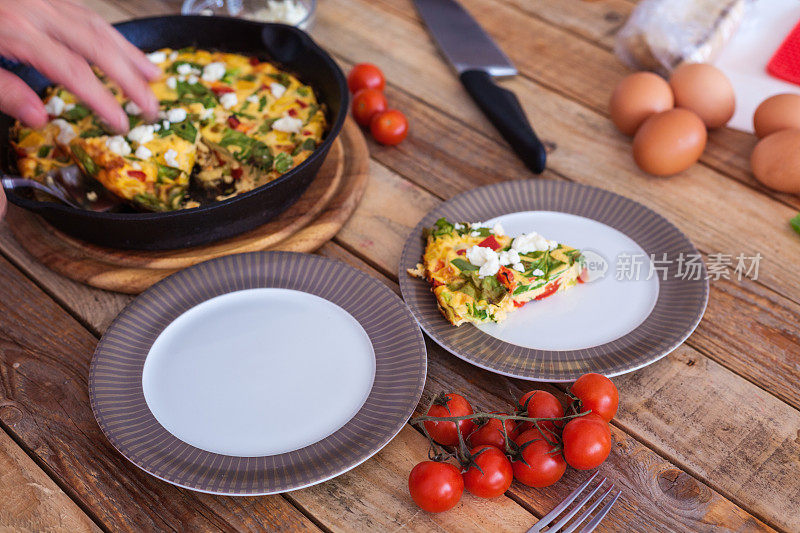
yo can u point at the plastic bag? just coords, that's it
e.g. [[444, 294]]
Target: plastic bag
[[661, 34]]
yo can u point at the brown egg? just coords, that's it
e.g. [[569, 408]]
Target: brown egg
[[776, 113], [704, 89], [669, 142], [637, 97], [776, 161]]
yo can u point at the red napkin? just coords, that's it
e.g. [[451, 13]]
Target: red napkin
[[785, 64]]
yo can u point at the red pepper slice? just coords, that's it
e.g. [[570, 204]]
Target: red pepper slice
[[506, 278], [292, 112], [301, 103], [490, 242], [461, 252], [233, 121], [254, 61], [138, 174], [237, 173], [519, 304], [549, 290], [221, 89]]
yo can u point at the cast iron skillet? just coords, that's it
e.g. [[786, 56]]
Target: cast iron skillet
[[291, 49]]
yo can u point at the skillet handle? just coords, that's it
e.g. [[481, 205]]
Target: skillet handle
[[503, 109]]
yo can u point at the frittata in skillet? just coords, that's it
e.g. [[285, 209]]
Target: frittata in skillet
[[478, 274], [228, 124]]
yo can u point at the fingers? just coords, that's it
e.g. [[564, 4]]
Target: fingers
[[103, 46], [18, 100], [64, 66]]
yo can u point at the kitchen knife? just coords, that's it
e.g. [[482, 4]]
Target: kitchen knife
[[477, 59]]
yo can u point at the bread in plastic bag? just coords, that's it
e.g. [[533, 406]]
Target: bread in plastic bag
[[661, 34]]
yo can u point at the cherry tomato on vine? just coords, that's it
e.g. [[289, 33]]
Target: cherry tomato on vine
[[435, 486], [587, 442], [449, 405], [540, 404], [365, 76], [389, 127], [598, 393], [495, 474], [491, 432], [543, 467], [366, 104]]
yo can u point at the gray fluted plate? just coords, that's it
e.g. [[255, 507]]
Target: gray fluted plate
[[678, 309], [119, 405]]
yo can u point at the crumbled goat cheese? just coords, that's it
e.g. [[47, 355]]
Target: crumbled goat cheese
[[532, 242], [485, 258], [228, 100], [141, 134], [54, 106], [132, 109], [118, 145], [214, 71], [157, 57], [172, 83], [277, 89], [288, 124], [170, 157], [176, 114], [66, 133], [143, 152]]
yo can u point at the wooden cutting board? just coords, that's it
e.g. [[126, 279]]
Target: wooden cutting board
[[313, 220]]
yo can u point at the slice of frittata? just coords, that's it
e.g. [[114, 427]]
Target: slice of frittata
[[478, 274]]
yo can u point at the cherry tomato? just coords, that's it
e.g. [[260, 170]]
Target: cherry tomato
[[491, 433], [495, 474], [366, 104], [598, 393], [540, 404], [445, 432], [587, 442], [365, 76], [543, 468], [435, 486], [389, 127]]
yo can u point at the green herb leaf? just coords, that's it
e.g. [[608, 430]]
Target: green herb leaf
[[189, 93], [308, 144], [173, 68], [442, 227], [185, 130], [464, 265], [44, 151], [77, 113], [283, 162], [86, 162], [165, 172], [795, 223], [282, 78], [262, 103], [303, 90]]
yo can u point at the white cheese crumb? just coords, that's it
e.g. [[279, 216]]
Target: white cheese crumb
[[69, 107], [143, 152], [510, 257], [173, 55], [519, 267], [170, 157], [497, 229], [66, 133], [538, 272], [458, 225], [532, 242], [184, 69], [252, 99], [207, 114], [136, 165], [157, 57], [176, 114], [172, 83], [228, 100], [55, 106], [141, 134], [277, 89], [118, 145], [156, 127], [132, 109], [288, 124], [214, 71], [165, 124], [485, 258], [91, 196], [192, 79]]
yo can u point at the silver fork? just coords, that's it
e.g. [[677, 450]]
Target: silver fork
[[593, 523]]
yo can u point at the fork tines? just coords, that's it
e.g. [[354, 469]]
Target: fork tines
[[593, 523]]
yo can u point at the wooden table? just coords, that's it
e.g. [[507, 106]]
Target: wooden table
[[708, 437]]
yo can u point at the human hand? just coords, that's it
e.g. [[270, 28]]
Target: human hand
[[60, 38]]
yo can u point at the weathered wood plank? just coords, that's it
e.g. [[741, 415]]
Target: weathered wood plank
[[588, 149], [31, 500], [44, 362]]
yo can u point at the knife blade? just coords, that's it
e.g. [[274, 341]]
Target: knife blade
[[476, 58]]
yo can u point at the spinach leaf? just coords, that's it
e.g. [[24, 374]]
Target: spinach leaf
[[282, 78], [303, 90], [308, 144], [795, 223], [184, 130], [464, 265], [283, 162], [442, 227], [262, 103], [44, 151], [77, 113], [189, 93]]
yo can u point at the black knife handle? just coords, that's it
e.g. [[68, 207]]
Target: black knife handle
[[503, 109]]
